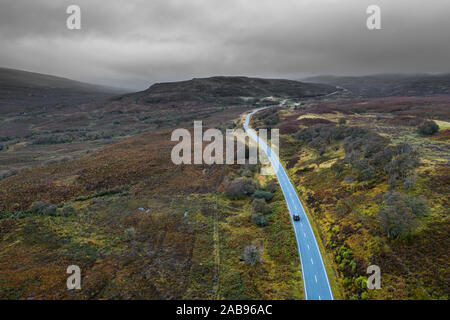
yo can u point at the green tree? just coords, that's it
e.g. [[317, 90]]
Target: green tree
[[240, 188], [428, 128], [261, 194], [260, 206], [260, 220], [398, 214]]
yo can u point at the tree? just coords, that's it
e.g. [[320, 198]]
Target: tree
[[67, 210], [240, 188], [396, 221], [260, 220], [409, 182], [252, 254], [260, 206], [402, 165], [44, 208], [428, 128], [366, 173], [260, 194], [398, 214]]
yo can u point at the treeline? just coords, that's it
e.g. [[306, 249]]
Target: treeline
[[58, 138], [42, 208]]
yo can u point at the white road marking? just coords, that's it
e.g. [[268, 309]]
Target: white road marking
[[292, 201]]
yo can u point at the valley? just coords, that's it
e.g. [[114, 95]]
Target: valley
[[91, 183]]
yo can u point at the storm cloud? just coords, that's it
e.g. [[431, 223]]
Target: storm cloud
[[135, 43]]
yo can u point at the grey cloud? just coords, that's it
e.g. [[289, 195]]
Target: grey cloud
[[135, 43]]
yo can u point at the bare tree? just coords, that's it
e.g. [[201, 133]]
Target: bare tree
[[252, 254]]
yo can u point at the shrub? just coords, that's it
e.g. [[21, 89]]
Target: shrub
[[260, 206], [240, 188], [271, 185], [361, 282], [252, 254], [409, 182], [40, 206], [269, 116], [130, 233], [338, 167], [272, 120], [67, 210], [46, 208], [246, 173], [397, 215], [260, 220], [345, 252], [260, 194], [347, 281], [402, 165], [428, 128], [50, 210], [348, 180]]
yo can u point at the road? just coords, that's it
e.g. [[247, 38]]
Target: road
[[315, 279]]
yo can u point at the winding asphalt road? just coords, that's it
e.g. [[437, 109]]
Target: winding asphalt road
[[315, 279]]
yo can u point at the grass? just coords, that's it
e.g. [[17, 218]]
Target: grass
[[443, 125], [278, 276]]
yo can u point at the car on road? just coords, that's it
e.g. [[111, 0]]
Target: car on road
[[296, 217]]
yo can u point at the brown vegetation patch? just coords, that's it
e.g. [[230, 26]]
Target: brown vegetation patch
[[443, 135]]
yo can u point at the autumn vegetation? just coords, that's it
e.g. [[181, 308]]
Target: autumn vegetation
[[376, 183]]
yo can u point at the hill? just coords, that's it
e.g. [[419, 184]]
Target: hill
[[389, 85], [227, 90], [68, 118], [22, 91], [129, 217]]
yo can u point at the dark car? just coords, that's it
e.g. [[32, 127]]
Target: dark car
[[296, 217]]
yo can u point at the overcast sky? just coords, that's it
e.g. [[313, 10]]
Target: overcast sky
[[135, 43]]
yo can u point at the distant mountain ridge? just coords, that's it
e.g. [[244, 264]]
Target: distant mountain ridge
[[389, 85], [24, 91]]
